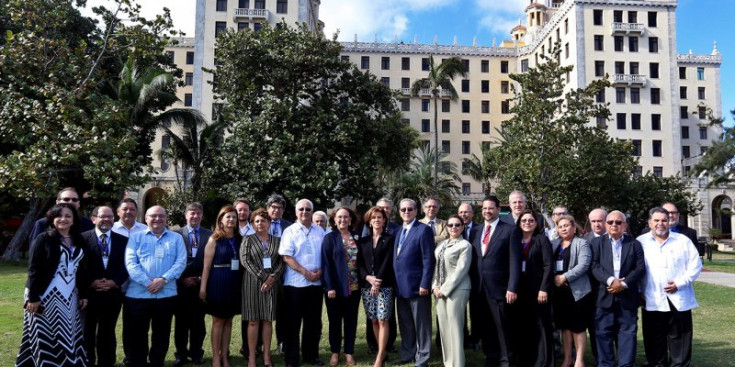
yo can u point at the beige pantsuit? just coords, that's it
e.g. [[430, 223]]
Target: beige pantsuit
[[455, 288]]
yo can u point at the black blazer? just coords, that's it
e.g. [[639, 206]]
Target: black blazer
[[40, 226], [195, 264], [116, 269], [376, 261], [632, 268], [539, 267], [500, 269], [43, 261]]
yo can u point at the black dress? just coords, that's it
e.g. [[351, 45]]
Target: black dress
[[568, 313], [224, 283]]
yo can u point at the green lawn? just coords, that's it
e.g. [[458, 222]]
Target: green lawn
[[714, 337]]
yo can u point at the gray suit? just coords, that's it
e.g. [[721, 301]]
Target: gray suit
[[580, 260]]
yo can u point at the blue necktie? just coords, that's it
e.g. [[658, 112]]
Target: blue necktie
[[403, 237]]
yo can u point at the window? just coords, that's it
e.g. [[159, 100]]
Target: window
[[504, 67], [656, 145], [635, 121], [282, 6], [485, 127], [652, 19], [653, 70], [700, 73], [189, 79], [257, 27], [655, 122], [685, 152], [599, 68], [243, 4], [485, 66], [683, 92], [466, 64], [465, 106], [683, 112], [600, 96], [620, 95], [445, 126], [188, 99], [259, 4], [446, 146], [566, 26], [365, 62], [682, 72], [406, 121], [687, 170], [653, 44], [425, 64], [345, 57], [634, 68], [637, 171], [385, 63], [524, 65], [219, 27], [618, 16], [558, 37], [636, 147], [633, 44], [425, 126], [485, 107], [566, 50], [619, 67], [632, 17], [241, 26], [405, 63], [601, 121], [221, 5], [465, 188], [685, 132], [702, 150], [599, 43], [485, 86], [655, 96], [425, 144], [170, 55], [465, 147], [504, 87], [425, 103], [465, 85], [597, 16], [405, 105], [703, 133], [620, 118], [446, 106], [619, 41], [189, 58], [386, 81], [405, 83], [635, 95], [505, 107], [658, 171], [465, 126]]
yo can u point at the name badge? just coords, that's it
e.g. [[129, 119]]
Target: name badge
[[235, 264], [105, 260], [523, 266], [194, 252], [267, 263], [559, 265], [159, 252]]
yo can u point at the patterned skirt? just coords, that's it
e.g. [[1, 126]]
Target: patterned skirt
[[380, 306]]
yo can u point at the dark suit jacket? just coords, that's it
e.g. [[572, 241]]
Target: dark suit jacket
[[285, 223], [632, 268], [43, 261], [195, 264], [116, 269], [500, 269], [376, 261], [414, 266], [40, 226], [508, 219], [473, 231], [539, 267], [334, 263]]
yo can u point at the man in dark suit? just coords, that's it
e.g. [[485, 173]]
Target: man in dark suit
[[67, 195], [467, 213], [675, 226], [108, 273], [495, 274], [596, 219], [413, 264], [189, 312], [618, 266], [276, 206]]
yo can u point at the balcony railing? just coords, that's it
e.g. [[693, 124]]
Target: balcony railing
[[629, 79], [426, 93], [699, 59], [627, 28], [406, 91], [250, 14]]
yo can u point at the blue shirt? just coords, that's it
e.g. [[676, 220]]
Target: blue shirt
[[148, 257]]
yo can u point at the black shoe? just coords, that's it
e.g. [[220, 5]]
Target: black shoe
[[180, 361], [317, 362], [199, 361]]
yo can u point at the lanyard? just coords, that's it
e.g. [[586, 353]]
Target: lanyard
[[231, 241]]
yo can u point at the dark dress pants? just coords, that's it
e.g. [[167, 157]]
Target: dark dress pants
[[305, 310], [616, 325], [668, 333], [102, 313], [496, 343], [140, 315], [342, 311], [189, 329]]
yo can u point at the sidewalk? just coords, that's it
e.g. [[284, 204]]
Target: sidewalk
[[713, 277]]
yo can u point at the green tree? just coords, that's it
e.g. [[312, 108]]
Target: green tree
[[482, 169], [439, 83], [550, 151], [719, 161], [307, 124]]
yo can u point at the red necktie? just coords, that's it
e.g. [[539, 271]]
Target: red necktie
[[486, 239]]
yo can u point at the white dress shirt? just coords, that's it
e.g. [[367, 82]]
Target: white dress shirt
[[305, 246], [120, 228]]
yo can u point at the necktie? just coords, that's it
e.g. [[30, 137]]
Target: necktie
[[276, 229], [194, 241], [403, 237], [486, 239], [433, 226], [103, 239]]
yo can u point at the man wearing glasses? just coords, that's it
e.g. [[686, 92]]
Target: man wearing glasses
[[676, 227], [67, 195], [597, 218], [558, 212], [301, 248], [413, 264], [276, 205]]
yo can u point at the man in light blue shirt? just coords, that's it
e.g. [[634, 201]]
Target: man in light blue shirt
[[155, 258]]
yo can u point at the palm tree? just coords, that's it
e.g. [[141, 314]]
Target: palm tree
[[482, 169], [417, 181], [439, 81]]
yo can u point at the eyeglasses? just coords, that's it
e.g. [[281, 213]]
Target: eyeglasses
[[106, 216], [560, 213], [304, 209], [276, 207], [406, 210], [66, 200], [616, 222], [528, 220], [454, 225], [673, 212]]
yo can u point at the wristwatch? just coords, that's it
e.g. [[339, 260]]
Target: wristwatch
[[165, 281]]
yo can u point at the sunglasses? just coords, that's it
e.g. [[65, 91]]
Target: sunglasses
[[454, 225], [616, 222], [528, 220], [66, 200], [406, 210], [304, 209]]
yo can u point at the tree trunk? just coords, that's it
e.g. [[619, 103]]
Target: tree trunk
[[436, 143], [11, 252]]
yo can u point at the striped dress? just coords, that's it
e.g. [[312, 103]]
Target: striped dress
[[257, 305]]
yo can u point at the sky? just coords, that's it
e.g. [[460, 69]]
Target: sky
[[700, 23]]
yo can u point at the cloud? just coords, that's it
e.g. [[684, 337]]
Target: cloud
[[182, 11], [499, 17]]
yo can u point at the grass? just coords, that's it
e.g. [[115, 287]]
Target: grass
[[714, 338]]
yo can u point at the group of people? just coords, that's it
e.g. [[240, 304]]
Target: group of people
[[521, 282]]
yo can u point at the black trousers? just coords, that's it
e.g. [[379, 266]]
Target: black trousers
[[102, 313], [496, 341], [140, 315], [668, 334], [342, 312], [189, 329], [305, 315]]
